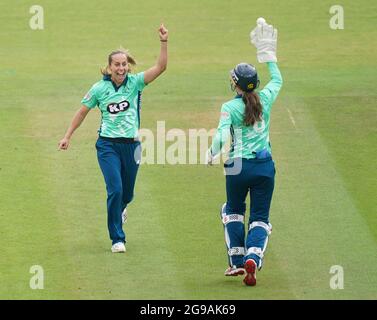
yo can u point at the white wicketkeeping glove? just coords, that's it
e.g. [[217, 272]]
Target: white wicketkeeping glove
[[264, 38]]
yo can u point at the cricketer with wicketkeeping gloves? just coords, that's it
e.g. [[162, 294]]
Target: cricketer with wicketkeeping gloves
[[250, 167]]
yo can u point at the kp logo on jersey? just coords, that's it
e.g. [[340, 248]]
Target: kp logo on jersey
[[114, 108]]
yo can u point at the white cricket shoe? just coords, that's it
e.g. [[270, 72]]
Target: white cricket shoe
[[118, 247], [124, 216], [234, 271]]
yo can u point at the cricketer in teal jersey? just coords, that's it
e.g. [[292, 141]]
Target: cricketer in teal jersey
[[118, 96], [250, 167], [247, 140], [120, 107]]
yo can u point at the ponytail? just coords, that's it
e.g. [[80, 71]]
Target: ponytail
[[253, 108]]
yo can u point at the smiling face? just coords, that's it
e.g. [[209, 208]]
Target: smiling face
[[119, 67]]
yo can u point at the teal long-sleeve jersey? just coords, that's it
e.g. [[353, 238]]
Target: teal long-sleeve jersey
[[247, 140]]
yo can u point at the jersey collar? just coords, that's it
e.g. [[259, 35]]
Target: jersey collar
[[107, 77]]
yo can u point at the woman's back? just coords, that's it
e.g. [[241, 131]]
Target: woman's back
[[248, 140]]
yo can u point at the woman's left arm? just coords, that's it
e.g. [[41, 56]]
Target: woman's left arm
[[221, 136], [152, 73]]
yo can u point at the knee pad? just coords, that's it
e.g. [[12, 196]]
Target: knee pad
[[234, 236]]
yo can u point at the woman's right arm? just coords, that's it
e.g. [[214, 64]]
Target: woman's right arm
[[271, 90], [76, 122]]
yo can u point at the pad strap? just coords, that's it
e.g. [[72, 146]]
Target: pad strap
[[236, 251], [232, 218], [255, 250], [265, 226]]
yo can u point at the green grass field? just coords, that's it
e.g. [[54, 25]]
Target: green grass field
[[323, 132]]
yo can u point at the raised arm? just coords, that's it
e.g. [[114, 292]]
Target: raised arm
[[264, 38], [272, 88], [161, 64]]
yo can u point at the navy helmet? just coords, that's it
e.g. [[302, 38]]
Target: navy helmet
[[245, 76]]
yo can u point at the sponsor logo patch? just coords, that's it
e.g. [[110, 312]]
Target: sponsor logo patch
[[114, 108], [224, 115]]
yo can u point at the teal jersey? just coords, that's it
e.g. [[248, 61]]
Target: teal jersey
[[119, 106], [247, 140]]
